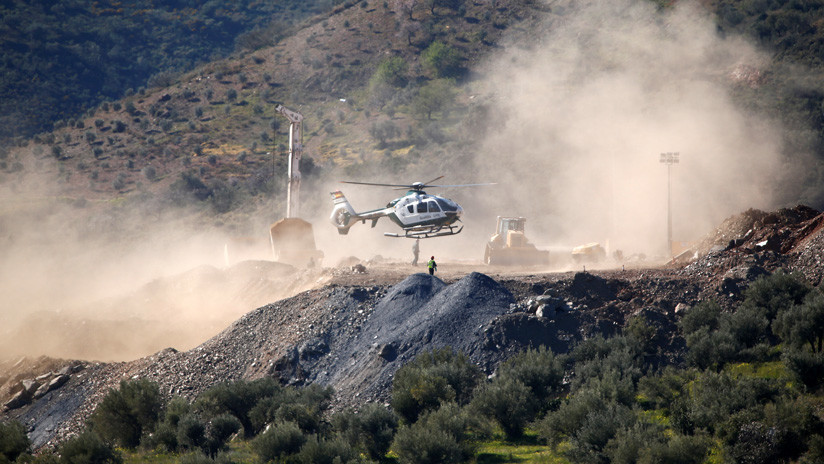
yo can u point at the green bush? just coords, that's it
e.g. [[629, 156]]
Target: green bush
[[391, 71], [441, 60], [630, 442], [88, 448], [439, 436], [538, 369], [434, 96], [236, 398], [126, 414], [371, 430], [13, 440], [562, 423], [191, 432], [803, 324], [774, 293], [419, 445], [588, 442], [279, 440], [219, 430], [704, 314], [679, 449], [431, 379], [326, 451], [509, 402], [303, 406], [807, 367]]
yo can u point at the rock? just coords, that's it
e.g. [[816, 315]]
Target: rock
[[58, 382], [359, 269], [41, 391], [545, 310], [18, 400], [30, 386], [388, 351], [681, 308]]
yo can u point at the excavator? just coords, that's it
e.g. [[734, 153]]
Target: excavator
[[291, 238]]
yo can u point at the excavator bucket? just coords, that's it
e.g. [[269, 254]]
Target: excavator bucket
[[293, 242]]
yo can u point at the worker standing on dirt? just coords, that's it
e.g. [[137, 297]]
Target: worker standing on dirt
[[416, 249], [433, 266]]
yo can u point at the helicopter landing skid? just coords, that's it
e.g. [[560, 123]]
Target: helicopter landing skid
[[429, 232]]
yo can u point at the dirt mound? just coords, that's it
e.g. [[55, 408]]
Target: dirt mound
[[420, 313]]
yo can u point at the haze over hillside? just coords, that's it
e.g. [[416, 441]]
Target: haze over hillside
[[566, 105]]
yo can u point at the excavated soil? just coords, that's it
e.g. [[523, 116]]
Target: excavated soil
[[358, 328]]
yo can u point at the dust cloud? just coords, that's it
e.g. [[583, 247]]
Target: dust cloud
[[93, 280], [585, 110]]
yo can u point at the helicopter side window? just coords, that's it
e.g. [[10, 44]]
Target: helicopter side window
[[433, 207], [421, 207], [411, 208]]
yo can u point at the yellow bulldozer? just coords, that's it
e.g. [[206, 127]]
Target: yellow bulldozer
[[509, 246]]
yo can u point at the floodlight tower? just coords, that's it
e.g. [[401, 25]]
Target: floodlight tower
[[669, 159]]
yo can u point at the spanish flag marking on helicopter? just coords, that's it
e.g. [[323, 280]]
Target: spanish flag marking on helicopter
[[337, 196]]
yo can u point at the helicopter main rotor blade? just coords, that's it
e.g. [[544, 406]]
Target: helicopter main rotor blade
[[433, 180], [463, 185], [375, 184]]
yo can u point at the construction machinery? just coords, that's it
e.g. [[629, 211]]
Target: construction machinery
[[510, 247], [589, 253], [292, 238]]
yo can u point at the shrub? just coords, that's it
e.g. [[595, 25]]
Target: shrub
[[441, 60], [88, 448], [561, 424], [220, 428], [391, 71], [680, 449], [434, 96], [191, 432], [771, 294], [420, 445], [431, 379], [509, 402], [588, 442], [119, 182], [439, 436], [236, 398], [125, 414], [803, 324], [281, 439], [13, 440], [372, 429], [303, 407], [807, 367], [538, 369], [150, 173], [321, 451]]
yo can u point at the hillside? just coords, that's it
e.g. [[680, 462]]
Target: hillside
[[61, 60]]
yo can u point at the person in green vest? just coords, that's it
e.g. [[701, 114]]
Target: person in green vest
[[433, 266]]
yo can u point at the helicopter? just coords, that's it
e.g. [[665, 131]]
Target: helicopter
[[418, 213]]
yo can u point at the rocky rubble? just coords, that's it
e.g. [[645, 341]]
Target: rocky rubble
[[355, 332]]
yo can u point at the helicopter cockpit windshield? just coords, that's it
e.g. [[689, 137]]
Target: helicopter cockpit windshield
[[447, 205]]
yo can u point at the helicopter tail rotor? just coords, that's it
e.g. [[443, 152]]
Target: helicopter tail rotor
[[343, 215]]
